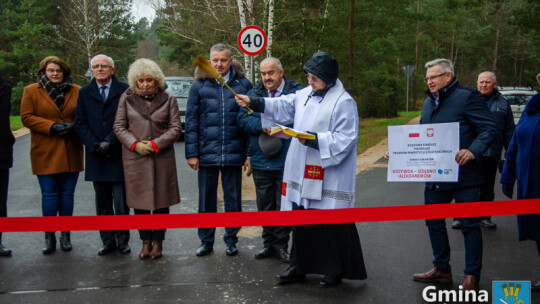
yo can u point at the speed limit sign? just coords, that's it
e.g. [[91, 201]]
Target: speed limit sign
[[252, 40]]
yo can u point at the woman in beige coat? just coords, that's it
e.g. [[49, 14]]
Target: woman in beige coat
[[148, 124], [56, 154]]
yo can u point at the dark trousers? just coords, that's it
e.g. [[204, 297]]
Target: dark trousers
[[470, 228], [231, 181], [489, 165], [111, 200], [152, 234], [4, 183], [268, 189]]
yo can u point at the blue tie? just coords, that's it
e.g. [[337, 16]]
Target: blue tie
[[103, 95]]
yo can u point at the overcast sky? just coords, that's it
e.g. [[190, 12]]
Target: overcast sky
[[142, 8]]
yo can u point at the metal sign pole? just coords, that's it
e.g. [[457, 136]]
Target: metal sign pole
[[408, 70], [407, 95], [251, 69]]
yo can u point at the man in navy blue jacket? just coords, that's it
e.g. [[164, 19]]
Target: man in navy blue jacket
[[267, 161], [94, 118], [448, 101], [214, 143]]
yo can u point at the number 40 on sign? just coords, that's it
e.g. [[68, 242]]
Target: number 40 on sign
[[252, 40]]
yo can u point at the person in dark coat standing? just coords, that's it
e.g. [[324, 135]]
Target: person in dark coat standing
[[6, 152], [502, 114], [448, 101], [214, 143], [94, 118], [266, 161], [523, 164], [148, 124]]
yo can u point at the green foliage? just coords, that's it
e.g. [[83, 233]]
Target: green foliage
[[16, 96], [15, 122]]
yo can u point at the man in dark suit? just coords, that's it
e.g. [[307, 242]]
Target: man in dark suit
[[448, 101], [266, 156], [94, 118], [6, 152]]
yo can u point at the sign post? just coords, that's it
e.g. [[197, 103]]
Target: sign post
[[408, 70], [252, 41]]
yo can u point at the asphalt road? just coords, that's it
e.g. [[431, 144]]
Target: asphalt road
[[393, 251]]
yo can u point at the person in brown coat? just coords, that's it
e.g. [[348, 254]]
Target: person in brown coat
[[147, 124], [56, 154]]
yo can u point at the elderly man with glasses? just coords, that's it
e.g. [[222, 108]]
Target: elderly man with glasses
[[94, 118], [448, 101]]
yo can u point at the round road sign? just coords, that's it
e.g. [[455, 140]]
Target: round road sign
[[252, 40]]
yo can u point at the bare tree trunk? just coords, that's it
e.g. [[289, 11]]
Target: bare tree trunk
[[351, 48], [497, 32], [453, 41], [243, 24], [516, 58], [325, 16], [413, 84], [270, 29]]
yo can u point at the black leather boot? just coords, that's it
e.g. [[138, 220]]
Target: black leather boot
[[50, 243], [65, 241], [3, 250]]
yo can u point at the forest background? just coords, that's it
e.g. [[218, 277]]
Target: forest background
[[372, 40]]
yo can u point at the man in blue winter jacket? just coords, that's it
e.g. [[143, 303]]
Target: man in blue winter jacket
[[215, 144], [266, 157]]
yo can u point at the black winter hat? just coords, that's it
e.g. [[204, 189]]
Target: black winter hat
[[324, 66]]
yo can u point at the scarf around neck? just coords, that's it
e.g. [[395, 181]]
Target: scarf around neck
[[147, 95], [57, 92]]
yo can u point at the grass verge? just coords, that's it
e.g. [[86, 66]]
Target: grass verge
[[15, 122], [373, 130]]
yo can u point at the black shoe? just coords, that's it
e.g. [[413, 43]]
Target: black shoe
[[204, 249], [231, 250], [65, 241], [124, 249], [328, 281], [283, 255], [4, 251], [290, 276], [456, 224], [266, 252], [536, 287], [487, 223], [106, 249], [50, 243]]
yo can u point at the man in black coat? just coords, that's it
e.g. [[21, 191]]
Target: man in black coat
[[448, 101], [94, 118], [502, 114], [6, 152]]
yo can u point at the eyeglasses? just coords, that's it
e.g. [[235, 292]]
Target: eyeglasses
[[433, 77], [313, 78], [51, 71], [103, 66]]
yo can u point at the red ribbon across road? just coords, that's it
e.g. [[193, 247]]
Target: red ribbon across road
[[268, 218]]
